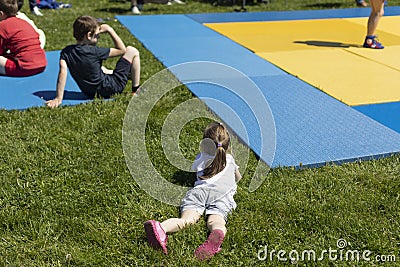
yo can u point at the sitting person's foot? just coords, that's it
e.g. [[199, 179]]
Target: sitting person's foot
[[371, 42], [361, 3], [36, 11]]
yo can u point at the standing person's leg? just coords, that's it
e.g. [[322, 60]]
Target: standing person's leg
[[216, 226], [377, 11], [34, 8], [361, 3], [376, 14], [32, 4]]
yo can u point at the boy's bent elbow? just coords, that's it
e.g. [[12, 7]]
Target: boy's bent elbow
[[116, 52], [120, 52]]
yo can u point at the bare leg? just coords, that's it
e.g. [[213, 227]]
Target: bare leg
[[215, 221], [132, 55], [3, 61], [216, 225], [376, 13], [175, 224]]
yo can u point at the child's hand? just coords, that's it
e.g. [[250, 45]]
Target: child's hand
[[53, 103], [105, 28]]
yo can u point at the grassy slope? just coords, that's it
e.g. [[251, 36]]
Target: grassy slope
[[66, 188]]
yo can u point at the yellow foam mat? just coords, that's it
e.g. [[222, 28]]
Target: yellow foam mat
[[389, 57], [270, 36], [390, 24], [347, 77], [327, 53]]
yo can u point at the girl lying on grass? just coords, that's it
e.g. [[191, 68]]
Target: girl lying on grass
[[217, 175]]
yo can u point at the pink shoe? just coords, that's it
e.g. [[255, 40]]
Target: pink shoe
[[156, 236], [211, 247]]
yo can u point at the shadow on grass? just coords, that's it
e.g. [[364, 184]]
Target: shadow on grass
[[327, 44], [117, 10], [184, 178]]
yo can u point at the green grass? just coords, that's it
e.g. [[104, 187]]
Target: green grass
[[66, 189]]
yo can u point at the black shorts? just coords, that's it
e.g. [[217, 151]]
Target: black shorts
[[115, 83]]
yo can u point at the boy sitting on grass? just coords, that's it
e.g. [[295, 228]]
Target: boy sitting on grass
[[84, 61]]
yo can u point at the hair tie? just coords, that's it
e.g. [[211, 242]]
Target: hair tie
[[219, 145]]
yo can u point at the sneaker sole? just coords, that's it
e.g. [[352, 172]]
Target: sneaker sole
[[209, 248]]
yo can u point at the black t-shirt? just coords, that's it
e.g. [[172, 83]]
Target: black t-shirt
[[84, 63]]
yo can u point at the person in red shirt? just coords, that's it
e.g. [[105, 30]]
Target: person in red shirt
[[20, 51]]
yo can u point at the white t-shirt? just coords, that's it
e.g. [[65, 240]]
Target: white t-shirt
[[224, 181]]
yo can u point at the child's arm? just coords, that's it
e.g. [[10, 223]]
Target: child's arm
[[61, 80], [238, 176], [119, 48]]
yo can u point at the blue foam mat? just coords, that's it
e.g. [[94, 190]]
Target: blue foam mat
[[289, 15], [22, 93], [312, 128], [386, 113]]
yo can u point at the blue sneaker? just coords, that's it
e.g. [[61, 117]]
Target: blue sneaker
[[371, 42]]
